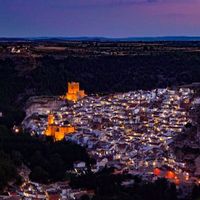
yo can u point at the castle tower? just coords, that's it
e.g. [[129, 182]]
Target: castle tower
[[50, 126], [73, 87], [50, 119], [74, 93]]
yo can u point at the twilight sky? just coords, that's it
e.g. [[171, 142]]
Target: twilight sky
[[111, 18]]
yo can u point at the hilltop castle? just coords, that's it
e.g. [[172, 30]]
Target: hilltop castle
[[74, 93], [58, 132]]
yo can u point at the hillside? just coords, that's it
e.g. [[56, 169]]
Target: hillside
[[44, 68]]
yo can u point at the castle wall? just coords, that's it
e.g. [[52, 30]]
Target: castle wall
[[56, 131]]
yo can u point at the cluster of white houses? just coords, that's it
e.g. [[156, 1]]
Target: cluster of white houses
[[129, 131]]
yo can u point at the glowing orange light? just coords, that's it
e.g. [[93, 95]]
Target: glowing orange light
[[170, 175], [156, 171], [177, 180]]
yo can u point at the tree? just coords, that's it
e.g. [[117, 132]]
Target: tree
[[39, 175], [85, 197], [8, 170]]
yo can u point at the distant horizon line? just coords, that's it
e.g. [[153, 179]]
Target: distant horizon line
[[101, 38]]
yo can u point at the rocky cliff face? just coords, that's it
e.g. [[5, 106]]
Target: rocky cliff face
[[42, 104]]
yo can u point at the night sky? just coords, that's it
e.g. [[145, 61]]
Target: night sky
[[110, 18]]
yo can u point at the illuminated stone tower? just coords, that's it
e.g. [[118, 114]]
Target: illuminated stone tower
[[50, 126], [50, 119], [73, 87], [74, 93]]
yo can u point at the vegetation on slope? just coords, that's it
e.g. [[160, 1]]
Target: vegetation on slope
[[47, 160]]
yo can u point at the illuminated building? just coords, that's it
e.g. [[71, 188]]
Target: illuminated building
[[58, 132], [157, 171], [170, 175], [74, 93]]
